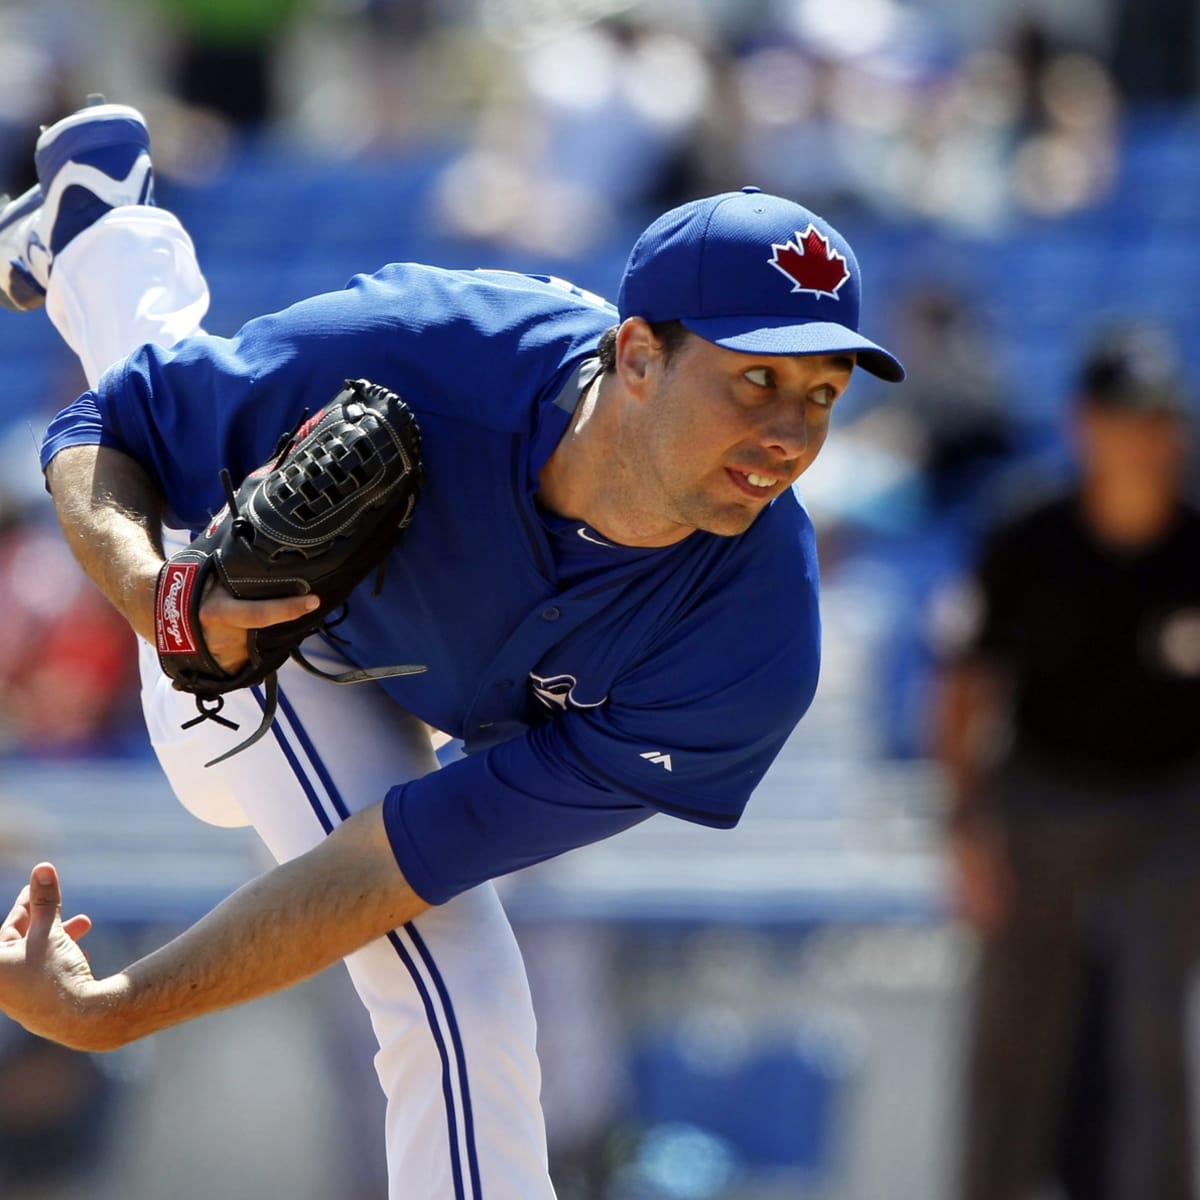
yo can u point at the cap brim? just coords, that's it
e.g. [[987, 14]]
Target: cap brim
[[771, 335]]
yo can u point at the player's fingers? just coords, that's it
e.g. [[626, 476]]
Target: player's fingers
[[223, 609], [226, 622], [45, 901], [77, 927], [17, 920]]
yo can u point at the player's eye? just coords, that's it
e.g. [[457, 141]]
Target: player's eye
[[760, 376], [823, 396]]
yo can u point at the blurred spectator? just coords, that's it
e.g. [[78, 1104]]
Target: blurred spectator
[[373, 77], [871, 104], [52, 53], [26, 96], [1065, 150], [1068, 731], [67, 685], [224, 54], [826, 89], [953, 415], [590, 126], [1027, 126], [65, 682]]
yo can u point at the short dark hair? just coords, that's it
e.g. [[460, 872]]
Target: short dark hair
[[672, 335]]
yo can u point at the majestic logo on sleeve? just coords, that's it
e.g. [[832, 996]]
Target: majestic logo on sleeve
[[810, 263], [557, 692]]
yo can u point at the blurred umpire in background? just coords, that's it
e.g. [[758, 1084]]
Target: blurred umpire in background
[[1070, 730]]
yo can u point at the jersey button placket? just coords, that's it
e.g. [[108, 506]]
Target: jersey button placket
[[551, 613]]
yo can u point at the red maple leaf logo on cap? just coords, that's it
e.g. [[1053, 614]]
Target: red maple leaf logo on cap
[[810, 264]]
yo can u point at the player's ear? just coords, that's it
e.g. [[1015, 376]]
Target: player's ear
[[636, 352]]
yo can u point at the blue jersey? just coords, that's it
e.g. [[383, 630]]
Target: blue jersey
[[593, 684]]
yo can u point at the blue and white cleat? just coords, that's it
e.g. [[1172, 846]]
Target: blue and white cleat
[[20, 287], [89, 163]]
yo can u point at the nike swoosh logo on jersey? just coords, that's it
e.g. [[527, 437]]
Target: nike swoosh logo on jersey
[[585, 533]]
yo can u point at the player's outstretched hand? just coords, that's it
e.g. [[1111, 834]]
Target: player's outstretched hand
[[44, 975]]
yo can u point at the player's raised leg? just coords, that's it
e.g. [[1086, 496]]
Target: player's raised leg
[[113, 271]]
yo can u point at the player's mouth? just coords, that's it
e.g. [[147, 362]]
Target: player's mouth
[[753, 483]]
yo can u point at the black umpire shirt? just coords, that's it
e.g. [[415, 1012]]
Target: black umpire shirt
[[1100, 645]]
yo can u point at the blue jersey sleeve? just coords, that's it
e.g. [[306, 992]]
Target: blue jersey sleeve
[[577, 780], [689, 731], [487, 815]]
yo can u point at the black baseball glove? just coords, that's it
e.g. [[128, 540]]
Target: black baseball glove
[[317, 518]]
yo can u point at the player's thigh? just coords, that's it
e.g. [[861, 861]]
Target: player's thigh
[[330, 751], [462, 954]]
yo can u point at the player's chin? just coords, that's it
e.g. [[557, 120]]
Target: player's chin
[[730, 520]]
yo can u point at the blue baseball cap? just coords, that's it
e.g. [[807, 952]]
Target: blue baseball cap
[[752, 272]]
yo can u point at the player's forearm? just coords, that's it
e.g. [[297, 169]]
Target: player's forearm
[[110, 512], [279, 929]]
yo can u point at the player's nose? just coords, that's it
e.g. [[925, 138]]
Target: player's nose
[[786, 434]]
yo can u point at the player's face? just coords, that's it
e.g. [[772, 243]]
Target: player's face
[[1149, 446], [727, 432]]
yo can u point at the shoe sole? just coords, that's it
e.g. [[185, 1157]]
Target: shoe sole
[[89, 129]]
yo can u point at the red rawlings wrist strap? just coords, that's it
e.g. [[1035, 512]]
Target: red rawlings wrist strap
[[173, 632]]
